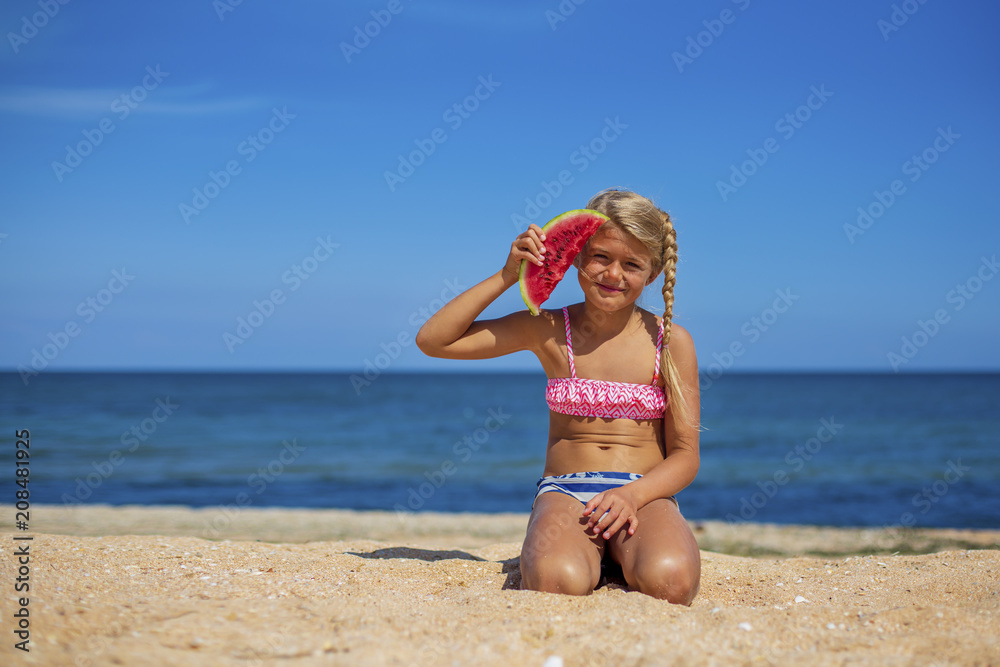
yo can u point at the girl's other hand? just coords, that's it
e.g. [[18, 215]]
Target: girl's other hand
[[610, 510], [528, 245]]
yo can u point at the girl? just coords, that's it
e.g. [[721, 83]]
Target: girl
[[623, 420]]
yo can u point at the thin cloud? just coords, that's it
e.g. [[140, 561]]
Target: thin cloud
[[84, 103]]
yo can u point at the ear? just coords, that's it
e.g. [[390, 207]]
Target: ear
[[653, 277]]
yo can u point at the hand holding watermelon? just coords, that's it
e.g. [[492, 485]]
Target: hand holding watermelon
[[527, 247], [564, 236]]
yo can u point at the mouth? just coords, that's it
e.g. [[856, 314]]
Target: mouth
[[604, 288]]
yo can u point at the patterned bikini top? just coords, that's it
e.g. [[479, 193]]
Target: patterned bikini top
[[600, 398]]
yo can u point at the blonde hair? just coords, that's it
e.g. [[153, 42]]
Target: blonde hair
[[636, 215]]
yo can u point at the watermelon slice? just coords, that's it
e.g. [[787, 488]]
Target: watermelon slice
[[565, 236]]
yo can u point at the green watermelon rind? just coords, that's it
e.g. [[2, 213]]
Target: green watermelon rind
[[549, 226]]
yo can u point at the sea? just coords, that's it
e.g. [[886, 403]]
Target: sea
[[845, 449]]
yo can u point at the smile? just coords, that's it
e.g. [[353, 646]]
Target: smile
[[613, 290]]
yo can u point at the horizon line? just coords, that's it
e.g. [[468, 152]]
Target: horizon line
[[481, 371]]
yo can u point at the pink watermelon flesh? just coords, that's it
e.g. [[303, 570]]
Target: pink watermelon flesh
[[565, 236]]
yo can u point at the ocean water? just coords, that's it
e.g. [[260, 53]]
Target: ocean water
[[837, 449]]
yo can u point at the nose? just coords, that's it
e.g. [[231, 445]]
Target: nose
[[613, 271]]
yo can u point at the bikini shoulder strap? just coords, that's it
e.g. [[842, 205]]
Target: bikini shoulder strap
[[569, 343]]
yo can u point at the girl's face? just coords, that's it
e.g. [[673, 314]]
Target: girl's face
[[614, 267]]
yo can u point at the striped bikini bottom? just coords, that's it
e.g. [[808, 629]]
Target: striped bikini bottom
[[585, 485]]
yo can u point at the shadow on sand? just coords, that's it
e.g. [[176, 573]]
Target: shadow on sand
[[415, 554]]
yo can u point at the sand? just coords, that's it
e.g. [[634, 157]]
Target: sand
[[176, 586]]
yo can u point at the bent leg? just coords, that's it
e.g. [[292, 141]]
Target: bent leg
[[662, 557], [558, 556]]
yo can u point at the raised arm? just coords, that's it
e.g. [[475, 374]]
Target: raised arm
[[453, 332]]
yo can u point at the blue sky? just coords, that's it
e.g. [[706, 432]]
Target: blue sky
[[216, 156]]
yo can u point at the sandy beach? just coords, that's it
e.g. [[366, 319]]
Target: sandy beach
[[173, 586]]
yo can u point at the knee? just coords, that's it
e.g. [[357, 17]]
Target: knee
[[675, 580], [552, 574]]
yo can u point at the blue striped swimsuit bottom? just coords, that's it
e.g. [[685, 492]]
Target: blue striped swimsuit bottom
[[585, 485]]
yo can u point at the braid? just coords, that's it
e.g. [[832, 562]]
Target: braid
[[669, 274], [671, 378]]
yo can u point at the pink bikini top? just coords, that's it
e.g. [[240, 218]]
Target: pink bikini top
[[600, 398]]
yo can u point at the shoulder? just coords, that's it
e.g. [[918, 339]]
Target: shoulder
[[546, 317], [680, 336], [543, 334], [539, 327], [681, 344]]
